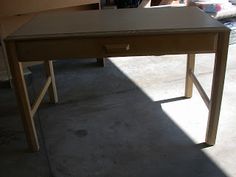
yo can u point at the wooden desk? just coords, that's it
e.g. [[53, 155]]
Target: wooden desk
[[124, 32]]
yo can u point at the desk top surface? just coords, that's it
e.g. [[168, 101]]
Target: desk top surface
[[118, 22]]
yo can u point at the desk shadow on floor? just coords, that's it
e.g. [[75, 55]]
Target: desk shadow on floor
[[106, 126]]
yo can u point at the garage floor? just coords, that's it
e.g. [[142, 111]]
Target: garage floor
[[129, 119]]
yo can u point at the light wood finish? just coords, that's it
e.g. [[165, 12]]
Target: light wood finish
[[92, 47], [52, 88], [41, 96], [11, 23], [200, 89], [127, 32], [118, 22], [188, 81], [101, 61], [22, 97], [217, 87], [116, 48]]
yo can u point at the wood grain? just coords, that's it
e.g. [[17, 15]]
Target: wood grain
[[22, 97], [52, 90], [217, 87], [188, 80]]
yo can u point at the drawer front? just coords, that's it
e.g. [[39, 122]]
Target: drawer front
[[48, 49]]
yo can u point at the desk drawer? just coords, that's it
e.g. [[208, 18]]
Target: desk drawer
[[157, 45], [47, 49]]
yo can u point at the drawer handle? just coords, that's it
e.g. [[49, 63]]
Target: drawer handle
[[111, 48]]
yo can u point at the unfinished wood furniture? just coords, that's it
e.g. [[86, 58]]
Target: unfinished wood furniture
[[110, 33]]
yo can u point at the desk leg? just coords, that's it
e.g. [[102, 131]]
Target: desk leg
[[52, 88], [217, 87], [22, 97], [188, 81], [101, 61]]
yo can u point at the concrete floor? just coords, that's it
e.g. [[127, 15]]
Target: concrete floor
[[128, 119]]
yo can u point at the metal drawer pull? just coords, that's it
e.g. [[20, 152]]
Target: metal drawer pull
[[111, 48]]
